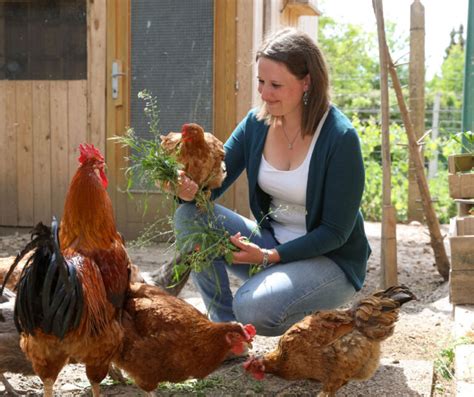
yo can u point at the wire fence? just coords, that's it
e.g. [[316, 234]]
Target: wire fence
[[447, 120]]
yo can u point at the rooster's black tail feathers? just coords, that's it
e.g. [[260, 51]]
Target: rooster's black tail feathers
[[49, 293]]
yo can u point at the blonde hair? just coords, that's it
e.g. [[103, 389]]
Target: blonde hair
[[301, 56]]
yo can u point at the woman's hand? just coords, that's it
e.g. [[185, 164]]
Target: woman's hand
[[186, 188], [250, 252]]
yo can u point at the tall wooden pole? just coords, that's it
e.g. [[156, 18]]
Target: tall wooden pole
[[417, 100], [389, 218], [441, 259]]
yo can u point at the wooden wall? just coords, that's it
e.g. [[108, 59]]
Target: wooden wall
[[42, 124]]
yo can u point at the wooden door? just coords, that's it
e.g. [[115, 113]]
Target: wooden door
[[130, 209], [51, 99]]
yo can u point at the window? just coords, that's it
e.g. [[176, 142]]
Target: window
[[43, 40]]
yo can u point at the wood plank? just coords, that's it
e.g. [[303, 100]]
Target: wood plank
[[245, 77], [77, 121], [59, 144], [24, 163], [96, 50], [8, 143], [225, 77], [41, 152], [462, 254], [460, 287], [118, 112], [11, 156]]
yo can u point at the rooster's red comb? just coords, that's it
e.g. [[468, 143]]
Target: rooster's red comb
[[89, 152]]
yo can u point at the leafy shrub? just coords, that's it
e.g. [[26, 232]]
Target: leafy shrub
[[370, 134]]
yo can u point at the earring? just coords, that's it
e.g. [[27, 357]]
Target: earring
[[305, 98]]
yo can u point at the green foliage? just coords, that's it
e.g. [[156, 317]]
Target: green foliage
[[444, 363], [353, 59], [191, 386], [450, 80], [148, 162], [466, 140], [372, 204]]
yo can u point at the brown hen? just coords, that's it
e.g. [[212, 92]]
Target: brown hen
[[201, 154], [167, 339], [334, 347]]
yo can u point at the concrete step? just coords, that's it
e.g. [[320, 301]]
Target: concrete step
[[464, 354]]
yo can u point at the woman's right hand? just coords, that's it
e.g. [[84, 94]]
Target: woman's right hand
[[186, 188]]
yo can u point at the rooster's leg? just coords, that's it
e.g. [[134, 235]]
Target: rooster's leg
[[9, 388], [151, 394], [48, 387], [95, 389]]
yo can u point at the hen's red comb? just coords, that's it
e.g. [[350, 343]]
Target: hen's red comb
[[250, 331], [89, 152]]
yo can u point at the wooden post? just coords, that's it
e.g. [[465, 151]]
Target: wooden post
[[441, 259], [389, 219], [433, 165], [417, 100]]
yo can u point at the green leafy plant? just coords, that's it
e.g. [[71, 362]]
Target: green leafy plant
[[444, 363], [191, 385], [466, 140], [148, 162]]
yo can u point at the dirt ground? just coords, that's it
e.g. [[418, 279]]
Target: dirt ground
[[423, 331]]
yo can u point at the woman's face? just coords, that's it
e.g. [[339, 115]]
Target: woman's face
[[281, 91]]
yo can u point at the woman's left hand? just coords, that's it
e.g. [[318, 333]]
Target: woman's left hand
[[249, 252]]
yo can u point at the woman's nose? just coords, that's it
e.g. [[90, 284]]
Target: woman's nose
[[265, 93]]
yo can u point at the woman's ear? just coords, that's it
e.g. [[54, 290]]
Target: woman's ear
[[306, 82]]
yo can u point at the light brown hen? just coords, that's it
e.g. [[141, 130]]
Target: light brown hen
[[201, 154], [335, 346]]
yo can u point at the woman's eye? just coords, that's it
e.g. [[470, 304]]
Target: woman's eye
[[276, 85]]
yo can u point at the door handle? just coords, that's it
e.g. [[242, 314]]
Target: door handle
[[116, 73]]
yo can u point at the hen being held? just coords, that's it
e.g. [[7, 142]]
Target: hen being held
[[335, 346], [201, 154], [167, 339]]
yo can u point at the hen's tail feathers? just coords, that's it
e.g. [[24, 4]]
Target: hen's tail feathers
[[375, 316], [49, 293], [169, 278]]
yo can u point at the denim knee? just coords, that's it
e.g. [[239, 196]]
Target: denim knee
[[263, 317]]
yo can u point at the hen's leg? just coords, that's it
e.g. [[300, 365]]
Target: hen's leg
[[48, 387]]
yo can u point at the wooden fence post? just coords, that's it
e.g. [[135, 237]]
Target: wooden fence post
[[417, 100], [389, 218]]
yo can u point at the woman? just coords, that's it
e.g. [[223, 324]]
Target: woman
[[306, 178]]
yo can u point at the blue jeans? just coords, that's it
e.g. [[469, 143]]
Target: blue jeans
[[273, 299]]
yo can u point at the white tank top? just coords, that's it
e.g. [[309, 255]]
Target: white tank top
[[288, 194]]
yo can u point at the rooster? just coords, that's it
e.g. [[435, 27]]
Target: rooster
[[201, 154], [335, 346], [72, 290], [167, 339]]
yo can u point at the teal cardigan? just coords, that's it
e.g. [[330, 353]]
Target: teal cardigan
[[335, 185]]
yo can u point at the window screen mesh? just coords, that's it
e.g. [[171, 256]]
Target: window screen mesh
[[172, 54], [43, 40]]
